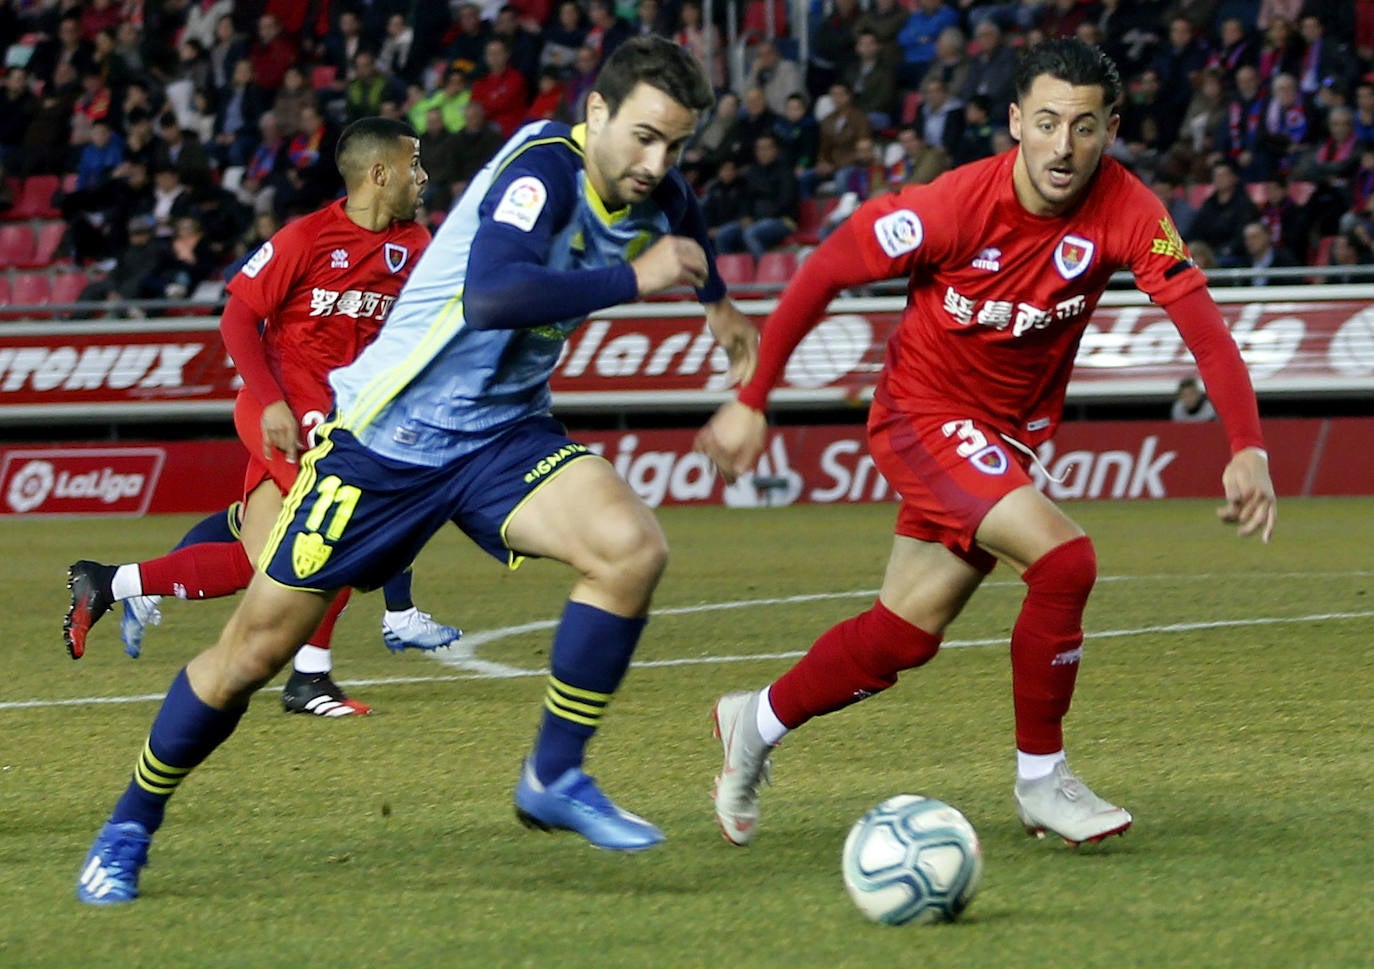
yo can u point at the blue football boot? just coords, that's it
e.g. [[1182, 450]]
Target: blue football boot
[[413, 629], [575, 803], [110, 874]]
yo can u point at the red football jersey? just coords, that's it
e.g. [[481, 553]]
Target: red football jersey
[[999, 298], [324, 284]]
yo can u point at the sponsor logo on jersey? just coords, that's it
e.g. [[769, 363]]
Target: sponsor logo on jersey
[[396, 256], [1073, 256], [522, 203], [899, 232], [258, 260], [989, 259], [338, 259]]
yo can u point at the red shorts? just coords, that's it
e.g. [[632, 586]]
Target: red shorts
[[949, 470], [248, 423]]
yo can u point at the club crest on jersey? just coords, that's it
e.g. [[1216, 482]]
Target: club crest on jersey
[[899, 232], [308, 554], [1073, 256], [990, 460], [338, 259], [395, 256]]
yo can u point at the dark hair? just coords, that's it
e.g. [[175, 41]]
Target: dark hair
[[1069, 59], [659, 63], [365, 139]]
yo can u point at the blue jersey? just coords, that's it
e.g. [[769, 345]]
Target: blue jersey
[[527, 253]]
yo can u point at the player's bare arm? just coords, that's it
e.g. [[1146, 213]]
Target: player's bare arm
[[671, 261], [737, 336], [1250, 501], [281, 431]]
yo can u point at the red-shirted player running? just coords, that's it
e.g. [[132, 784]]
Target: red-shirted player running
[[308, 301], [1006, 258]]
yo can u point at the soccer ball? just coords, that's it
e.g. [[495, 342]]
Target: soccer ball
[[912, 859]]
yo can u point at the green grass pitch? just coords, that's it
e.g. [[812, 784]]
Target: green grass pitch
[[1224, 698]]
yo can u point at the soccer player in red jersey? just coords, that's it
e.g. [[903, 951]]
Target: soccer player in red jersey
[[1006, 259], [306, 302]]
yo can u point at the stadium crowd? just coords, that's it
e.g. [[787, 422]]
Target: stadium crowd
[[149, 147]]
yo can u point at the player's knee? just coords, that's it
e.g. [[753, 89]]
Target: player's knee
[[635, 549], [1066, 570]]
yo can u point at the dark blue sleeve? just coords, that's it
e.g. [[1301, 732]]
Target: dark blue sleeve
[[685, 218], [509, 284]]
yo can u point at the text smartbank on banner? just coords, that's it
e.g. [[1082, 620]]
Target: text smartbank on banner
[[801, 465], [661, 355]]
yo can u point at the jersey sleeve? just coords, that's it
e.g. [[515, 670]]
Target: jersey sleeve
[[898, 232], [509, 283], [267, 277], [1155, 252]]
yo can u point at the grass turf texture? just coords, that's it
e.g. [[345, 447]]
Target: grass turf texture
[[1243, 747]]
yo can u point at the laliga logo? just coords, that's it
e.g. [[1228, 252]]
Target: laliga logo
[[30, 487]]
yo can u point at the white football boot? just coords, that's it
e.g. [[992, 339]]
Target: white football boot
[[747, 763], [1062, 804]]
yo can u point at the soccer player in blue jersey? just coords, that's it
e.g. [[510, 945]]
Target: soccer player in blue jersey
[[446, 417]]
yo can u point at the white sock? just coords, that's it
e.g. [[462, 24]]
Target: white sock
[[127, 582], [312, 661], [770, 727], [1032, 767]]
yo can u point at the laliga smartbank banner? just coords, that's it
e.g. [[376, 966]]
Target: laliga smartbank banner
[[660, 355], [809, 465]]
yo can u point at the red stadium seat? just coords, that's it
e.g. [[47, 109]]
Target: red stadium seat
[[50, 235], [16, 246], [35, 199], [30, 289], [67, 287], [756, 19], [808, 222], [4, 292], [736, 268], [776, 267], [1197, 194]]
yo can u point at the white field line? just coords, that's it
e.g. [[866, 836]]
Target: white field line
[[463, 655]]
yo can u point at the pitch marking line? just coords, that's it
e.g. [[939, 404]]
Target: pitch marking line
[[463, 656]]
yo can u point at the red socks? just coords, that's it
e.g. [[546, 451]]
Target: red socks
[[855, 659], [324, 632], [1046, 643], [205, 571]]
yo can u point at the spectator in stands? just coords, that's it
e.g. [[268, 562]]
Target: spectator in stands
[[1169, 189], [92, 104], [223, 218], [310, 177], [266, 166], [1223, 215], [777, 76], [1281, 51], [1363, 108], [128, 52], [585, 68], [550, 99], [755, 119], [68, 48], [1060, 18], [606, 31], [563, 40], [940, 118], [873, 79], [132, 275], [1287, 221], [1361, 185], [263, 227], [856, 184], [1196, 141], [502, 89], [713, 142], [187, 259], [228, 49], [451, 100], [477, 143], [840, 132], [649, 18], [100, 156], [180, 148], [703, 40], [439, 153], [236, 121], [522, 44], [832, 46], [1324, 59], [1191, 404], [342, 45], [369, 87], [884, 19], [1344, 255], [975, 141], [1237, 48], [45, 145], [918, 36], [723, 202], [191, 74], [1285, 129], [396, 58], [770, 203], [1261, 253], [1360, 233], [17, 108], [1200, 14], [203, 17], [1178, 65], [99, 15], [990, 71], [291, 98], [272, 53], [1204, 257], [1147, 124], [1244, 116], [799, 137], [171, 199], [911, 161]]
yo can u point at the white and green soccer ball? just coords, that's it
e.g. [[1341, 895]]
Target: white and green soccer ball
[[912, 859]]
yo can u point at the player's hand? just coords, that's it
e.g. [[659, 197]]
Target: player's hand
[[280, 431], [733, 439], [671, 261], [1250, 500], [737, 336]]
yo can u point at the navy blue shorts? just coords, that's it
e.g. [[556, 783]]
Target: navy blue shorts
[[354, 518]]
